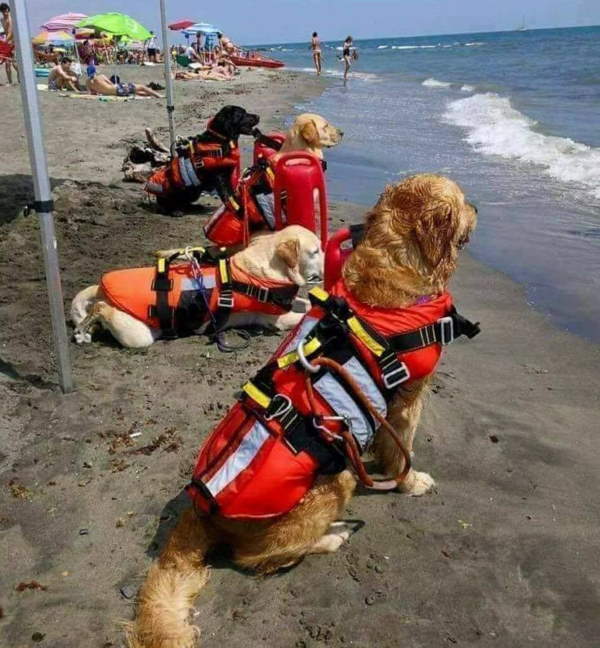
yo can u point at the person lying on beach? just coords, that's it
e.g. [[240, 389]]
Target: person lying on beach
[[206, 72], [100, 84], [61, 77]]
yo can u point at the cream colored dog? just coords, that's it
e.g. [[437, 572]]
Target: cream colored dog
[[291, 255], [311, 132]]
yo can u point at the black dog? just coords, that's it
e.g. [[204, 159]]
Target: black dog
[[213, 156]]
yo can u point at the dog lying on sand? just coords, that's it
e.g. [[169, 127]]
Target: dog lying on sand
[[407, 256], [215, 159], [264, 280]]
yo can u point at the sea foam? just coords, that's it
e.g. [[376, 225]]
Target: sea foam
[[494, 127], [434, 83]]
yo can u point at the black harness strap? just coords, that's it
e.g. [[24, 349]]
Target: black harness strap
[[165, 314]]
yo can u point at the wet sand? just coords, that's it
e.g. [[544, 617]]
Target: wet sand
[[504, 553]]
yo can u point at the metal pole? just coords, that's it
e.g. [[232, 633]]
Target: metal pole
[[168, 78], [43, 196]]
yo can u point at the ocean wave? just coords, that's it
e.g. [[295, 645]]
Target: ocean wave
[[467, 88], [364, 76], [408, 47], [434, 83], [382, 46], [494, 127], [475, 44]]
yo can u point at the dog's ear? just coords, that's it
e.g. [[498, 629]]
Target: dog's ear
[[435, 230], [289, 252], [310, 134]]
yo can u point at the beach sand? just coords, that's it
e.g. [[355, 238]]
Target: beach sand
[[503, 553]]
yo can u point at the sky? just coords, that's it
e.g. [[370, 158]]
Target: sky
[[280, 21]]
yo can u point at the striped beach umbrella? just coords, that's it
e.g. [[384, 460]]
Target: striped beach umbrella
[[64, 21], [53, 38]]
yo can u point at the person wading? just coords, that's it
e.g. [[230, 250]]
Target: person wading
[[315, 45]]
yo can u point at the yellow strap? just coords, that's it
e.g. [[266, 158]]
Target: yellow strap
[[256, 394], [160, 265], [357, 328], [223, 271], [320, 294], [270, 173], [289, 358], [234, 204]]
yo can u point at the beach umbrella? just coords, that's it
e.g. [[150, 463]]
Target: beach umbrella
[[201, 28], [182, 24], [43, 204], [52, 37], [64, 21], [118, 24]]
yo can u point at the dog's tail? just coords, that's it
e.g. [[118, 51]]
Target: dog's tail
[[81, 304], [173, 582]]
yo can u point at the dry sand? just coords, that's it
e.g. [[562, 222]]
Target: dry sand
[[504, 553]]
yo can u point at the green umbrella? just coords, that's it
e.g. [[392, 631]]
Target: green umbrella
[[118, 24]]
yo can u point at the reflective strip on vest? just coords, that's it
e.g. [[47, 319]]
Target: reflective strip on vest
[[154, 187], [190, 283], [184, 172], [266, 202], [214, 218], [191, 172], [306, 326], [344, 405], [239, 460]]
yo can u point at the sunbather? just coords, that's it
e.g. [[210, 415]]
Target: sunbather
[[100, 84], [61, 77]]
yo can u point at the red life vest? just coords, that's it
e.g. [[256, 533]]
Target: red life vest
[[270, 199], [260, 461], [179, 299], [249, 210], [193, 167]]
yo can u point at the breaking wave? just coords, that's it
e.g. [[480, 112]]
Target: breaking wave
[[434, 83], [494, 127]]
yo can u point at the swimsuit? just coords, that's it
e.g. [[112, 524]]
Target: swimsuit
[[125, 89]]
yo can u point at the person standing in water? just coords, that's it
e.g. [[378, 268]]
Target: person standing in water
[[315, 45], [348, 54]]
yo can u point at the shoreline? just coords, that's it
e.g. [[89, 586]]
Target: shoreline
[[499, 555]]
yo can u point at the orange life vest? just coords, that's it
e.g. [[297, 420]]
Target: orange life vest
[[181, 298], [264, 456]]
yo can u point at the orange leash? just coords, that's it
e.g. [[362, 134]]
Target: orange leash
[[350, 444]]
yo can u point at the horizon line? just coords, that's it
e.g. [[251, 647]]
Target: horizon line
[[494, 31]]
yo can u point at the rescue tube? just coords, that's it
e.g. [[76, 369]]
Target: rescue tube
[[339, 247], [300, 193], [263, 149]]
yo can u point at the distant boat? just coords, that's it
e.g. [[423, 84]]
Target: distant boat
[[522, 27], [252, 59]]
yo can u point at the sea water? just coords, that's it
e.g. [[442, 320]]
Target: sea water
[[514, 117]]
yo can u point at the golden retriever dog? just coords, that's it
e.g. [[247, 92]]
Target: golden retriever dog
[[410, 248], [310, 132], [291, 256]]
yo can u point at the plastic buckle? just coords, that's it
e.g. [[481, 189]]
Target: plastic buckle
[[262, 294], [446, 330], [402, 375], [226, 300]]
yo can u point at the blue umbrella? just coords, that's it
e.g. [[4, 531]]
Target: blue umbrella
[[201, 28]]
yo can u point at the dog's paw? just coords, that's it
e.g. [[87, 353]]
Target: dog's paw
[[417, 484], [82, 338]]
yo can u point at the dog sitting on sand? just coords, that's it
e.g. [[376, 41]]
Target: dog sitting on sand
[[257, 286], [401, 268]]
